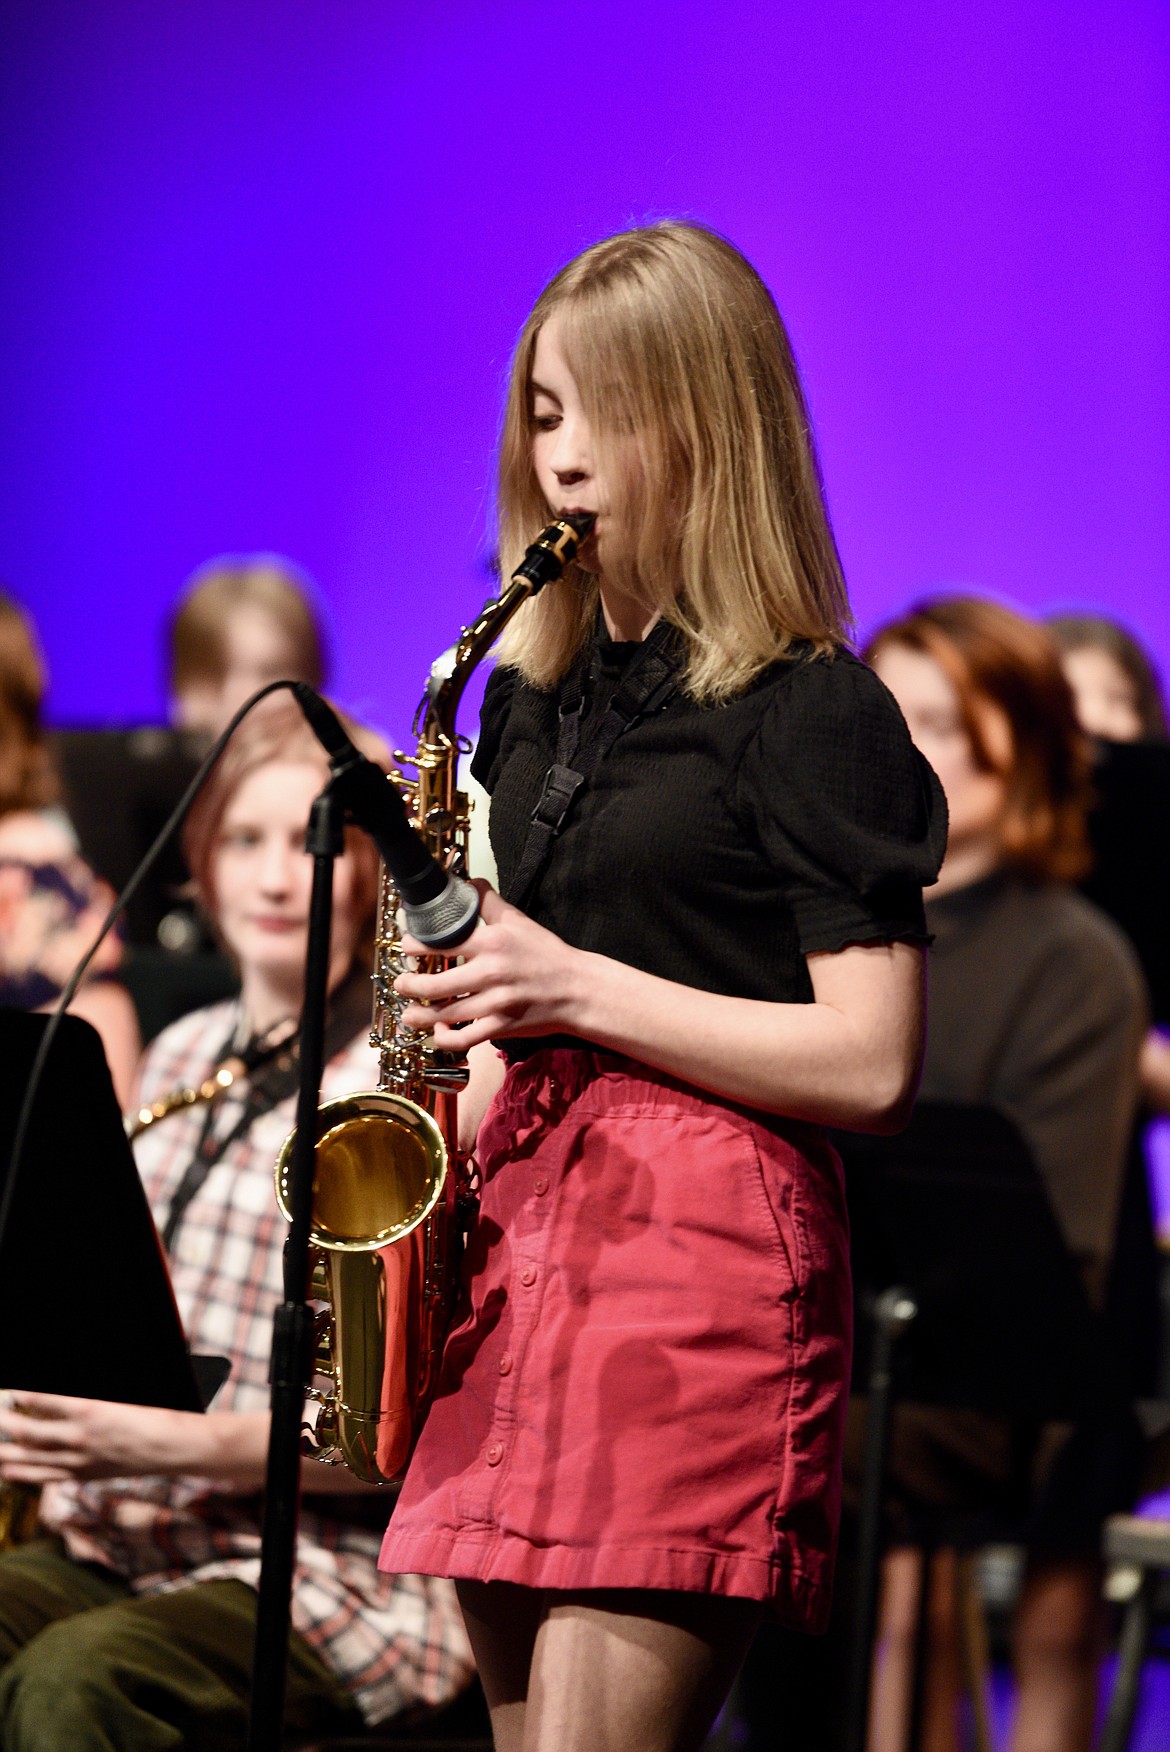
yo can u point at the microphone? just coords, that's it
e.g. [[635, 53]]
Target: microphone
[[441, 909]]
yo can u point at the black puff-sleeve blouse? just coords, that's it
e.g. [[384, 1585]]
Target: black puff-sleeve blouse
[[718, 846]]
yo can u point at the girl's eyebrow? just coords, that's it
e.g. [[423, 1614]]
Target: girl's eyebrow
[[539, 389]]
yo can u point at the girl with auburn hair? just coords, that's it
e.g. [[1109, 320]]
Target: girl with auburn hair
[[1013, 706], [710, 954], [1037, 1007]]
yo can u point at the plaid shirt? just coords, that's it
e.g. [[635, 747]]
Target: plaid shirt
[[393, 1641]]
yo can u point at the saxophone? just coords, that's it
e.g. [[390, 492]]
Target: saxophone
[[392, 1194]]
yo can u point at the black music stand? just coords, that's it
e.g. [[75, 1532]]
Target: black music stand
[[976, 1302], [91, 1311]]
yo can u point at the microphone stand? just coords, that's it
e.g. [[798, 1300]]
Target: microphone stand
[[292, 1334]]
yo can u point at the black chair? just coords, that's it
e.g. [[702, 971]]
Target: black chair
[[1145, 1545]]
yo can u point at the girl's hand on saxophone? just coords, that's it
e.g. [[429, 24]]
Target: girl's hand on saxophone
[[513, 978]]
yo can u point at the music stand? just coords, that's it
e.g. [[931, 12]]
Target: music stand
[[954, 1210], [977, 1303], [80, 1259]]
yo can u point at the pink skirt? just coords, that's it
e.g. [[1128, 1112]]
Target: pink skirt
[[646, 1385]]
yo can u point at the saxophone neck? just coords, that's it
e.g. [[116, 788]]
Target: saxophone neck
[[544, 562], [451, 671]]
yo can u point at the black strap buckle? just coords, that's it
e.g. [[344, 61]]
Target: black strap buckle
[[561, 785]]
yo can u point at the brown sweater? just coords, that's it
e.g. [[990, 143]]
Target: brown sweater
[[1038, 1007]]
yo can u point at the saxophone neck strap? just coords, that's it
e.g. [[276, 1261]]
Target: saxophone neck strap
[[649, 682], [275, 1076]]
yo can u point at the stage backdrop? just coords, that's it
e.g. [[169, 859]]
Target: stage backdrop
[[263, 267]]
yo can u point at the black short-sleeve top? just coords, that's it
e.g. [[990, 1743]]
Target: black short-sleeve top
[[719, 845]]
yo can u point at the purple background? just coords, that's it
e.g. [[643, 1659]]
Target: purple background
[[264, 266]]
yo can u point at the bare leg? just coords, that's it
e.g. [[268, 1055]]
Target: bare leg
[[502, 1621], [628, 1671], [620, 1671], [944, 1666], [1058, 1639], [893, 1656], [889, 1721]]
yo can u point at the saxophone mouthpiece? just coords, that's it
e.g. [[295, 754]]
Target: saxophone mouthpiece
[[554, 549]]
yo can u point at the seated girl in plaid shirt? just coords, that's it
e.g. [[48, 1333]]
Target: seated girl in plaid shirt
[[130, 1621]]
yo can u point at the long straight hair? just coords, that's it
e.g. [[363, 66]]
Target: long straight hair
[[677, 349]]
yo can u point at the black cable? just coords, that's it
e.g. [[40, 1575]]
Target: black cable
[[135, 882]]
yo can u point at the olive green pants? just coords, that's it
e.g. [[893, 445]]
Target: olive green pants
[[87, 1666]]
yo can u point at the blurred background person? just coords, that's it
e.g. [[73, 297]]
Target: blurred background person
[[1115, 685], [1119, 699], [242, 621], [239, 622], [1037, 1007], [51, 903], [131, 1621]]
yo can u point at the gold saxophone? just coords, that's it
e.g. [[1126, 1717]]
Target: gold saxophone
[[392, 1193]]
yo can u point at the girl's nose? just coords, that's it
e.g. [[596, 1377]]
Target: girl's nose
[[571, 460], [277, 869]]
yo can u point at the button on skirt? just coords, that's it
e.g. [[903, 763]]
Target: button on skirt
[[646, 1383]]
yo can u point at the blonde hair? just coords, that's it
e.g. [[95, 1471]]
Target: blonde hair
[[672, 336], [197, 634]]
